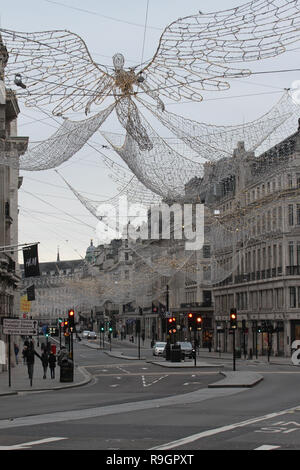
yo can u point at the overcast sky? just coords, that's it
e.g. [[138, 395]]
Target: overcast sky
[[47, 207]]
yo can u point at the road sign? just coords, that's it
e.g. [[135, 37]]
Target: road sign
[[16, 326], [25, 305]]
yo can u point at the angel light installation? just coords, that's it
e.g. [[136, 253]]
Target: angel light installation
[[194, 54]]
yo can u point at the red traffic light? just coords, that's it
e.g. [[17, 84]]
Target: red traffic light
[[190, 315], [199, 319], [71, 313]]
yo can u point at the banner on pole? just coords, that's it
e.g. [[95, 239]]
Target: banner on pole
[[30, 293], [31, 261]]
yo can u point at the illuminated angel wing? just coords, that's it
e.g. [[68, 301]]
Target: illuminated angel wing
[[56, 68], [195, 52]]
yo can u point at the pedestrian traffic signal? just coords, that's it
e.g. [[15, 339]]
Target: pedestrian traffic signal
[[198, 322], [233, 318]]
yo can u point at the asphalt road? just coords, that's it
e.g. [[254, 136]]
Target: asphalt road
[[135, 405]]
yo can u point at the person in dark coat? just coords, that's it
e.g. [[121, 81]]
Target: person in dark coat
[[16, 348], [45, 360], [52, 364], [30, 353]]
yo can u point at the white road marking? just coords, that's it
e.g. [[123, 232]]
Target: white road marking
[[24, 445], [212, 432], [192, 383], [124, 370], [267, 447], [153, 382]]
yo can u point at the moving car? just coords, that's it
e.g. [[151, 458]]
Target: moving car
[[186, 349], [85, 333], [158, 348], [91, 335]]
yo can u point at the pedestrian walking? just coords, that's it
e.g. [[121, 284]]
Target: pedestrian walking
[[30, 353], [24, 352], [45, 360], [16, 348], [52, 364]]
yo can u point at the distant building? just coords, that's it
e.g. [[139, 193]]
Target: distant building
[[54, 293]]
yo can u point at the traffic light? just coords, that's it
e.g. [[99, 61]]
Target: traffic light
[[172, 325], [154, 308], [190, 321], [65, 326], [102, 329], [110, 327], [198, 322], [47, 332], [71, 315], [233, 318]]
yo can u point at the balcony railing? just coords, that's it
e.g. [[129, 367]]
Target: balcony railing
[[292, 271]]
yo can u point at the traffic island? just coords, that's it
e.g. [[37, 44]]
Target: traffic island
[[238, 379]]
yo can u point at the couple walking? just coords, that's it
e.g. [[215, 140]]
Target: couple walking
[[48, 359]]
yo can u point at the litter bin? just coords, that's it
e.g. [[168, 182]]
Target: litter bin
[[176, 353], [168, 351], [66, 370]]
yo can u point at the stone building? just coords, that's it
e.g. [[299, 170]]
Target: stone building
[[11, 147], [55, 292], [259, 199]]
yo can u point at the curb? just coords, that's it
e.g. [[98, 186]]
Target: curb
[[121, 356], [86, 380], [232, 380], [187, 366]]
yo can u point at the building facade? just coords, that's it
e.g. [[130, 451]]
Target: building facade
[[262, 202], [11, 147]]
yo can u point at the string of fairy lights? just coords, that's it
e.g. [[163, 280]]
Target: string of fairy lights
[[200, 165]]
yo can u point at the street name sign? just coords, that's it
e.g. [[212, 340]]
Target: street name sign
[[17, 326]]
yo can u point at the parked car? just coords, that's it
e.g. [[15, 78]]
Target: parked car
[[92, 335], [85, 333], [186, 349], [158, 348]]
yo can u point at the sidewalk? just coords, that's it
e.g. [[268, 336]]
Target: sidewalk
[[203, 353], [20, 381]]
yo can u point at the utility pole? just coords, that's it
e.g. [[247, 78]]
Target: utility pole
[[167, 307]]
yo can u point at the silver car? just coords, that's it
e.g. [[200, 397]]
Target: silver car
[[158, 348], [92, 335]]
